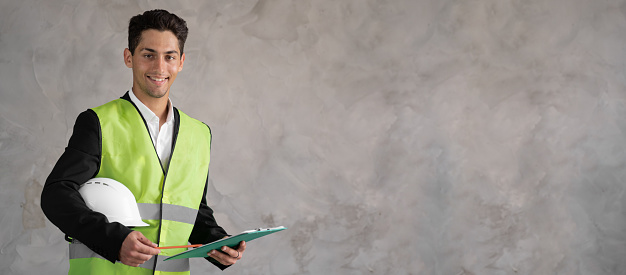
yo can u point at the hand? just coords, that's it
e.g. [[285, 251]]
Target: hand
[[137, 249], [228, 256]]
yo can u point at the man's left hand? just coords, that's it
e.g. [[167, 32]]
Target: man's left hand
[[228, 256]]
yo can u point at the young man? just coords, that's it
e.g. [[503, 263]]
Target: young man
[[158, 152]]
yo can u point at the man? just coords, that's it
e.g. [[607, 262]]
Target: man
[[158, 152]]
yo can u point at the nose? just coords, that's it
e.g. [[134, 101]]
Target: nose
[[159, 65]]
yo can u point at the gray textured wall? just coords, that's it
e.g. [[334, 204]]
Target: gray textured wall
[[391, 137]]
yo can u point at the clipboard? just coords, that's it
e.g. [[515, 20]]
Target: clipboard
[[232, 241]]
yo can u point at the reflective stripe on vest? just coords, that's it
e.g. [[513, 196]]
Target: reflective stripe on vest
[[81, 251], [167, 202], [171, 212]]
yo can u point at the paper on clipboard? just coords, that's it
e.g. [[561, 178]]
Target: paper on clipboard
[[232, 241]]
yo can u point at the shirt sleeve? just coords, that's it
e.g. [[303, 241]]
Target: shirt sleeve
[[64, 206]]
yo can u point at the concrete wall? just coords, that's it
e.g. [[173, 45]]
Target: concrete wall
[[391, 137]]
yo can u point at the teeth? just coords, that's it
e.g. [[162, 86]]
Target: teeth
[[157, 79]]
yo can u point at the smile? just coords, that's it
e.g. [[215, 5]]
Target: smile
[[157, 79]]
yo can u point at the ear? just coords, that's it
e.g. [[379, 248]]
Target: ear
[[128, 58], [182, 60]]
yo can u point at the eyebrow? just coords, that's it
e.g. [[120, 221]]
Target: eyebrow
[[153, 51]]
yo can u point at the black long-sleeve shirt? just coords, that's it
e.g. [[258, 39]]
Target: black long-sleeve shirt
[[65, 208]]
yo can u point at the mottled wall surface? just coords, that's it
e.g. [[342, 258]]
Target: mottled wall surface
[[391, 137]]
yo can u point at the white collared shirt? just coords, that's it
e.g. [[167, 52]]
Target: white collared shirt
[[162, 139]]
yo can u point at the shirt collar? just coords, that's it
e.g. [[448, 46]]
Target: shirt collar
[[147, 113]]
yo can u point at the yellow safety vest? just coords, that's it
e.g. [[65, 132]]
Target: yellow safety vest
[[168, 201]]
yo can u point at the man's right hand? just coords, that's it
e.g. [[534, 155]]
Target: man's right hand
[[137, 249]]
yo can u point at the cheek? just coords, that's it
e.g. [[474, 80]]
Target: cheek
[[137, 71], [175, 69]]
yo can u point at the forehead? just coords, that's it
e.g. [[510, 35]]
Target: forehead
[[160, 41]]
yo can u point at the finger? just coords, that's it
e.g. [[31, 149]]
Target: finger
[[242, 246], [134, 262], [136, 249], [146, 246], [222, 258], [147, 242], [135, 259], [231, 252], [147, 250]]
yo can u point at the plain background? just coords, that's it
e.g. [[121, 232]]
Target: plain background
[[390, 137]]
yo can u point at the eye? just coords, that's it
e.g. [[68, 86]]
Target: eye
[[147, 55], [170, 57]]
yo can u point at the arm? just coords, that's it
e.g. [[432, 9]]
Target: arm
[[63, 205], [206, 229]]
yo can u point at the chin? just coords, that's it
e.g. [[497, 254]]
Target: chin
[[160, 95], [156, 94]]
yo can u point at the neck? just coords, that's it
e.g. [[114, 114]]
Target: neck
[[157, 105]]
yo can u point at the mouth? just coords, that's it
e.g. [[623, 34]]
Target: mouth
[[158, 80]]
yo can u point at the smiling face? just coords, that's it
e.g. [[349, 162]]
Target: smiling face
[[155, 63]]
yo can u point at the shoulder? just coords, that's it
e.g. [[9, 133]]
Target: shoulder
[[86, 135], [189, 121], [87, 120], [113, 105]]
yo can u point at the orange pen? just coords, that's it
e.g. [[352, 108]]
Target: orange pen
[[179, 246]]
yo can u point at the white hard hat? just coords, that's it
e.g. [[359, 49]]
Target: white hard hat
[[112, 199]]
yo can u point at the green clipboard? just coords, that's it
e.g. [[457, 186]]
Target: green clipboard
[[232, 241]]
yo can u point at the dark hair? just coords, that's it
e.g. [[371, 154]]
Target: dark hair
[[160, 20]]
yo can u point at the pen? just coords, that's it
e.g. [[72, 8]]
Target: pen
[[179, 246]]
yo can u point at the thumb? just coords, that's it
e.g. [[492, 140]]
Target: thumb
[[145, 240], [151, 250]]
